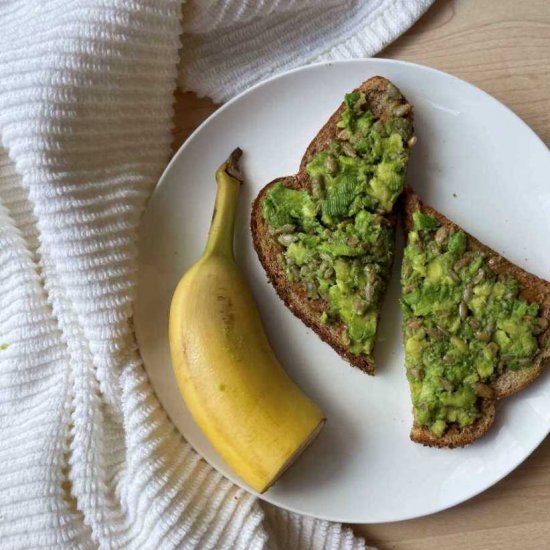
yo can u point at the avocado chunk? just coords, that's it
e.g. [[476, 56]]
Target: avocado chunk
[[463, 325]]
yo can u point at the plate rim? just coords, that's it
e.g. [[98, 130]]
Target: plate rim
[[436, 508], [312, 66]]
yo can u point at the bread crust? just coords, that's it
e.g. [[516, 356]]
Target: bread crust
[[532, 289], [294, 295]]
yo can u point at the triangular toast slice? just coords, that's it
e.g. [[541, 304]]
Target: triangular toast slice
[[476, 327], [325, 236]]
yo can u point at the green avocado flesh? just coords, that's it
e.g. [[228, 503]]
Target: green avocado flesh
[[337, 239], [463, 325]]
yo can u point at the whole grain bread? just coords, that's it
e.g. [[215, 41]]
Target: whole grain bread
[[294, 295], [532, 289]]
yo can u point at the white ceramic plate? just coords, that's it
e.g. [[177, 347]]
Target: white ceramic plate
[[476, 162]]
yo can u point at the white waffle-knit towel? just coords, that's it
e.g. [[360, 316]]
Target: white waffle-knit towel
[[88, 457], [230, 44]]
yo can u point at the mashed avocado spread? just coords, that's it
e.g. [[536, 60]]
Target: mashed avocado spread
[[336, 238], [463, 325]]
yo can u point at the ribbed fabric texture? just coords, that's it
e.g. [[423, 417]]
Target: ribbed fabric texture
[[229, 45], [89, 458]]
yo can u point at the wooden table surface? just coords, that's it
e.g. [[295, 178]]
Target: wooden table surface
[[502, 46]]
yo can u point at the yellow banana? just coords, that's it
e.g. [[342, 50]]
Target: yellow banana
[[255, 416]]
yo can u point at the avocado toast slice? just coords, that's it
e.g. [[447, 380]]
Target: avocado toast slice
[[325, 236], [476, 327]]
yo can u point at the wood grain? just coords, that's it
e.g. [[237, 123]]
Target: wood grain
[[503, 47]]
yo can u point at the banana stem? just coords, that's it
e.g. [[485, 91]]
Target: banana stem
[[229, 180]]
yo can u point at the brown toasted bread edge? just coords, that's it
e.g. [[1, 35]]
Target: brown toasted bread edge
[[294, 295], [532, 289]]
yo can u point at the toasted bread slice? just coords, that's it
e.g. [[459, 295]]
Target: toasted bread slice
[[532, 289], [456, 436], [294, 294]]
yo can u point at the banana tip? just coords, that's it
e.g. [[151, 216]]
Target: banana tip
[[232, 164]]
